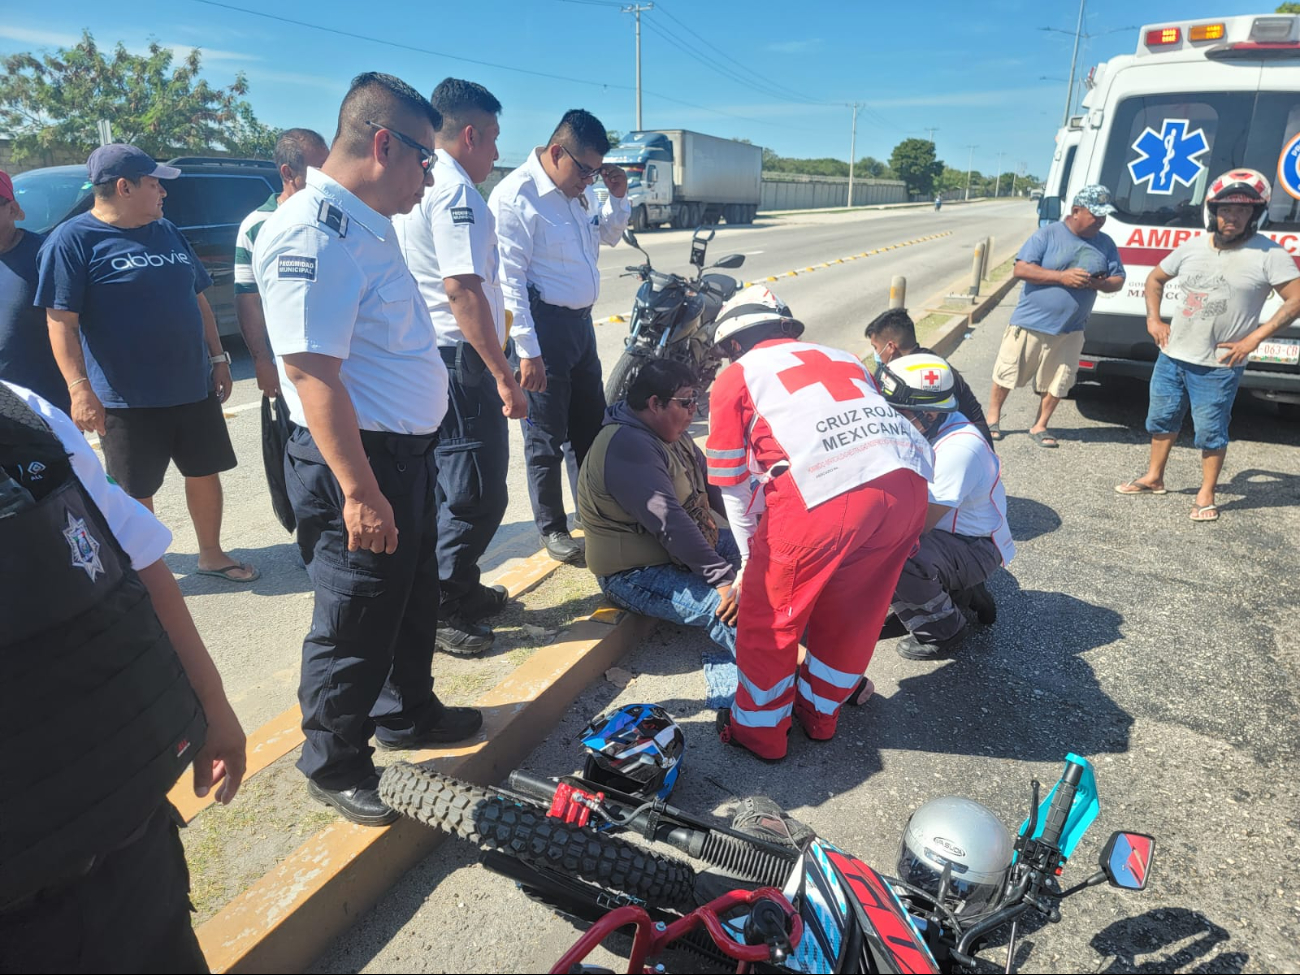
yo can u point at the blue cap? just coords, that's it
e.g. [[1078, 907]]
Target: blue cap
[[118, 161], [1096, 198]]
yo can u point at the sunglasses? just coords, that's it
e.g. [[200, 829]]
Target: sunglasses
[[688, 402], [427, 155], [586, 172]]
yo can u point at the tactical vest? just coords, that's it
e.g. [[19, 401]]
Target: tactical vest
[[97, 717]]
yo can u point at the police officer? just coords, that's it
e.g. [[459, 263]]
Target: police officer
[[106, 694], [360, 371], [450, 243], [551, 225]]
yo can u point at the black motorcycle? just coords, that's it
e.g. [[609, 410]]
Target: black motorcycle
[[672, 316]]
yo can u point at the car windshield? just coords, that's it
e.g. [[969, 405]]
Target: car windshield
[[47, 196]]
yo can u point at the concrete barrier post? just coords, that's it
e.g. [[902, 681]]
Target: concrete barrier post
[[898, 291], [988, 258], [977, 266]]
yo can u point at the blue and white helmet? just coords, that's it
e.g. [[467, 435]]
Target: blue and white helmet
[[637, 749]]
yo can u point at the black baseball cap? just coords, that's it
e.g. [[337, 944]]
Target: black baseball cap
[[118, 161]]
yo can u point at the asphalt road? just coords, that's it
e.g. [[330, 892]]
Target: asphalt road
[[1162, 650], [255, 632]]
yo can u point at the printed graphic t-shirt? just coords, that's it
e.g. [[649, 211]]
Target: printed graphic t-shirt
[[135, 292]]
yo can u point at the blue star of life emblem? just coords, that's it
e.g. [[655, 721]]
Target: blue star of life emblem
[[1169, 156], [85, 549]]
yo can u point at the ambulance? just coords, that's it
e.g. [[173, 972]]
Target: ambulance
[[1197, 98], [1068, 138]]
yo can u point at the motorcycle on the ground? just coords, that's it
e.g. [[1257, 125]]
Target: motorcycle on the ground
[[672, 316], [775, 897]]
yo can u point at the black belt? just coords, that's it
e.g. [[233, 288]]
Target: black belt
[[399, 444], [560, 311]]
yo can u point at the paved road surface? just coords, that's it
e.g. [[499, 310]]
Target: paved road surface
[[255, 632], [1163, 650]]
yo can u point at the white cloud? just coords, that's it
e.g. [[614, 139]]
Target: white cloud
[[795, 47], [292, 78], [49, 38], [45, 38], [997, 96], [211, 53]]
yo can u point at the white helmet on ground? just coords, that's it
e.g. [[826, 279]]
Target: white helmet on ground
[[754, 306]]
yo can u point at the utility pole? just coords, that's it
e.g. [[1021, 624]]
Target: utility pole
[[932, 129], [853, 149], [997, 186], [970, 168], [1074, 57], [637, 9]]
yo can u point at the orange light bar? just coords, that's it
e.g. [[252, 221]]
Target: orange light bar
[[1206, 32], [1163, 35]]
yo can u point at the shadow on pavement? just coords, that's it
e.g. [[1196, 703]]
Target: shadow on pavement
[[1029, 519], [1148, 934], [280, 565]]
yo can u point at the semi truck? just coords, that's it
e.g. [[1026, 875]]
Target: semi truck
[[685, 179]]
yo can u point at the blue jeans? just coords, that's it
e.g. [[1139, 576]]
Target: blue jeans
[[669, 592], [1209, 390]]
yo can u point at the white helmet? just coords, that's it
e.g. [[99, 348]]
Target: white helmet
[[921, 382], [754, 306]]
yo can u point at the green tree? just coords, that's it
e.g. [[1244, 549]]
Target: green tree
[[873, 167], [614, 136], [1288, 8], [914, 163], [51, 103]]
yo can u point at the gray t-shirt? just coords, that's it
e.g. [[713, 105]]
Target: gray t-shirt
[[1223, 293]]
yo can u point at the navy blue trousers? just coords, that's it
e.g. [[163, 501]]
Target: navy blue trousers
[[473, 464], [366, 663]]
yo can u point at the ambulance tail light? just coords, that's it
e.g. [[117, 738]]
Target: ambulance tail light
[[1206, 32], [1163, 35]]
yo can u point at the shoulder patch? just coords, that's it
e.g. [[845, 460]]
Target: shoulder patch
[[291, 267], [461, 215], [332, 217]]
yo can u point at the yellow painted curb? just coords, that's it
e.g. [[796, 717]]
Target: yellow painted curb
[[771, 277], [617, 318]]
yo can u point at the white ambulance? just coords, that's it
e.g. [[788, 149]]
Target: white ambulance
[[1068, 138], [1197, 98]]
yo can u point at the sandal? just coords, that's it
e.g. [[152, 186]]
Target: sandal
[[995, 432], [1199, 512], [226, 572], [1043, 439], [1133, 487]]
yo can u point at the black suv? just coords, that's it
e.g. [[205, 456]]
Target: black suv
[[207, 202]]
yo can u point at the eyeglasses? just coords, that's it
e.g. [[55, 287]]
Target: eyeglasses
[[586, 172], [688, 402], [427, 155]]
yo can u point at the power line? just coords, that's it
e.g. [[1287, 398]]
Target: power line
[[487, 64]]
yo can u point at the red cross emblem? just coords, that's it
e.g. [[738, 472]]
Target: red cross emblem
[[931, 378], [840, 378]]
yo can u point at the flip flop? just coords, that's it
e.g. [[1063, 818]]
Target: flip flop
[[1133, 487], [225, 573], [1198, 512], [1042, 437], [995, 432], [862, 693]]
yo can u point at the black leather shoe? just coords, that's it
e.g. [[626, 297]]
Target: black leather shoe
[[562, 547], [913, 649], [483, 602], [463, 638], [456, 724], [360, 804]]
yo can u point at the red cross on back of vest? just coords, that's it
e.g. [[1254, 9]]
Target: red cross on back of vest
[[841, 379]]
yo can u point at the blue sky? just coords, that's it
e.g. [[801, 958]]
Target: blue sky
[[974, 71]]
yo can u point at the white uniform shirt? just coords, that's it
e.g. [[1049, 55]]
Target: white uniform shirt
[[452, 232], [968, 479], [142, 536], [551, 242], [333, 281]]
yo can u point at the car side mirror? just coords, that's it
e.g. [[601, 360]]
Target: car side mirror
[[1126, 859], [1049, 208], [731, 260]]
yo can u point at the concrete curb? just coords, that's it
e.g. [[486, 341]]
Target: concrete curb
[[950, 336], [284, 921], [881, 206]]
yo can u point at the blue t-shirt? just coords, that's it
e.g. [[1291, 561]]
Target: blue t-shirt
[[135, 292], [25, 355], [1053, 308]]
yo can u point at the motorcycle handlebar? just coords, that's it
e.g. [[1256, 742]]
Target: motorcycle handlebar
[[1062, 801]]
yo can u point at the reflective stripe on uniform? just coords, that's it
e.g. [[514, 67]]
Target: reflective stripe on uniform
[[762, 697], [823, 704], [760, 719], [716, 470], [839, 678], [724, 454]]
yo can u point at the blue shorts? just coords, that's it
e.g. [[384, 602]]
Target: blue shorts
[[1209, 390]]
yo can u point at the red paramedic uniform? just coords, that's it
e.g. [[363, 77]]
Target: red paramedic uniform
[[843, 479]]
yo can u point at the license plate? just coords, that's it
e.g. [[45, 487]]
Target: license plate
[[1284, 352]]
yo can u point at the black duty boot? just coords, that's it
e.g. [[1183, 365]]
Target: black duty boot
[[562, 547], [913, 649], [483, 602], [462, 638], [359, 804]]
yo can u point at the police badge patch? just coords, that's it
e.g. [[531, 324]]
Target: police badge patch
[[462, 215], [85, 549]]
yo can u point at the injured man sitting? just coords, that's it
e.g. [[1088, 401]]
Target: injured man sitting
[[647, 509]]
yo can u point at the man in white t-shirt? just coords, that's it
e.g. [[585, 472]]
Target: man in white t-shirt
[[1225, 276], [966, 538], [450, 245]]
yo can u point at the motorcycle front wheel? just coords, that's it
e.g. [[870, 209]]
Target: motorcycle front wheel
[[524, 831], [620, 377]]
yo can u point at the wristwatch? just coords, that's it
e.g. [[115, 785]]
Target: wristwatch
[[216, 359]]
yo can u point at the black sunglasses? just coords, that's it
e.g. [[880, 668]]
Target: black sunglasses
[[586, 172], [427, 155], [688, 402]]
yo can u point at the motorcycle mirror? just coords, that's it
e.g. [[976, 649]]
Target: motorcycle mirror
[[629, 238], [699, 245], [1126, 859], [731, 260]]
